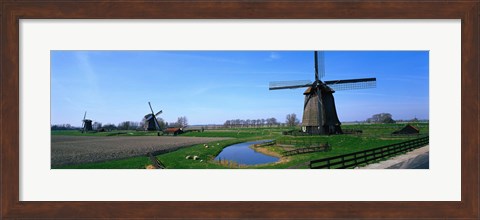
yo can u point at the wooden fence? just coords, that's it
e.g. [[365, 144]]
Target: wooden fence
[[352, 160], [301, 142], [325, 147]]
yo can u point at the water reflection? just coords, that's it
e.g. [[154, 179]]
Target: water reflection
[[243, 154]]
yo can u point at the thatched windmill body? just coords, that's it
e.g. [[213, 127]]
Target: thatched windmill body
[[319, 112], [151, 122], [86, 124]]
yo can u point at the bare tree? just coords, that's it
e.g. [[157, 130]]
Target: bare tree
[[292, 120], [182, 121], [271, 122], [124, 125], [97, 125]]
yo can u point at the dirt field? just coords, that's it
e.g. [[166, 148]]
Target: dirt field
[[68, 150]]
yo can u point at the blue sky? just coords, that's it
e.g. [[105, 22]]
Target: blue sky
[[210, 87]]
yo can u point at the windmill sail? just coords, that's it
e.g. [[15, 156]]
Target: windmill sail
[[319, 64], [83, 122], [350, 84], [289, 84]]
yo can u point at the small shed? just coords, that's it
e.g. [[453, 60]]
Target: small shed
[[407, 130], [174, 131]]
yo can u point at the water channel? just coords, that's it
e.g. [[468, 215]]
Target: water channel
[[243, 154]]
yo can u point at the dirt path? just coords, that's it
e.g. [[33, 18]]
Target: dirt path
[[66, 150], [396, 162]]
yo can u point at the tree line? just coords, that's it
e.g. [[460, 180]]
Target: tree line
[[126, 125], [291, 120]]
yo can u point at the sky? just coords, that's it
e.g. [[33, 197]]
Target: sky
[[210, 87]]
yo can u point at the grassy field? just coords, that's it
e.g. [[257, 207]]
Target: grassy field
[[373, 135]]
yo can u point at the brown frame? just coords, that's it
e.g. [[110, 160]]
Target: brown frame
[[12, 11]]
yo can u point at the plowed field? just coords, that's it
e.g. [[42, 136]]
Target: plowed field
[[68, 150]]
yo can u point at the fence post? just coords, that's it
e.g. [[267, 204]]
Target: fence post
[[355, 156]]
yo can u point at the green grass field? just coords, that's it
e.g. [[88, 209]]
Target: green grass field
[[373, 135]]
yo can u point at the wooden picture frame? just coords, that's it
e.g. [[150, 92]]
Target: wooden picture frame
[[12, 11]]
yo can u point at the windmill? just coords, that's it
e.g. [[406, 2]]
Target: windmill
[[86, 124], [319, 112], [151, 122]]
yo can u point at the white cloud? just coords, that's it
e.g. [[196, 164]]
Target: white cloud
[[273, 56]]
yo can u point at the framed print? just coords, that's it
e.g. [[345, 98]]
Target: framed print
[[59, 58]]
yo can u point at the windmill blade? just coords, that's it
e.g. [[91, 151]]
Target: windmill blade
[[289, 84], [156, 123], [319, 64], [350, 84], [151, 108], [83, 121], [320, 108], [149, 117], [160, 112], [155, 119]]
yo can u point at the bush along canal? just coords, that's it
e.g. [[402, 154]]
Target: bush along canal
[[244, 155]]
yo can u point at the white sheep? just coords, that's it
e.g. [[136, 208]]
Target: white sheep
[[196, 157], [188, 157]]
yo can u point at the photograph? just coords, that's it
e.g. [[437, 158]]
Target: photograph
[[239, 109]]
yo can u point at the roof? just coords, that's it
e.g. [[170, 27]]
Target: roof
[[323, 87], [408, 129], [172, 129], [411, 126], [308, 90]]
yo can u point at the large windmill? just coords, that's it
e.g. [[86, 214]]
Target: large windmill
[[151, 122], [319, 112], [86, 123]]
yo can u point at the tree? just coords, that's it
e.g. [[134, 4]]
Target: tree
[[182, 121], [248, 122], [110, 127], [271, 122], [161, 123], [292, 120], [381, 118], [128, 125], [227, 124], [97, 125], [124, 125]]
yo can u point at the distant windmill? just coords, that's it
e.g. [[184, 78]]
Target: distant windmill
[[87, 124], [319, 112], [151, 122]]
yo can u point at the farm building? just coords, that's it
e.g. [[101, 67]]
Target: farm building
[[174, 131], [407, 130]]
